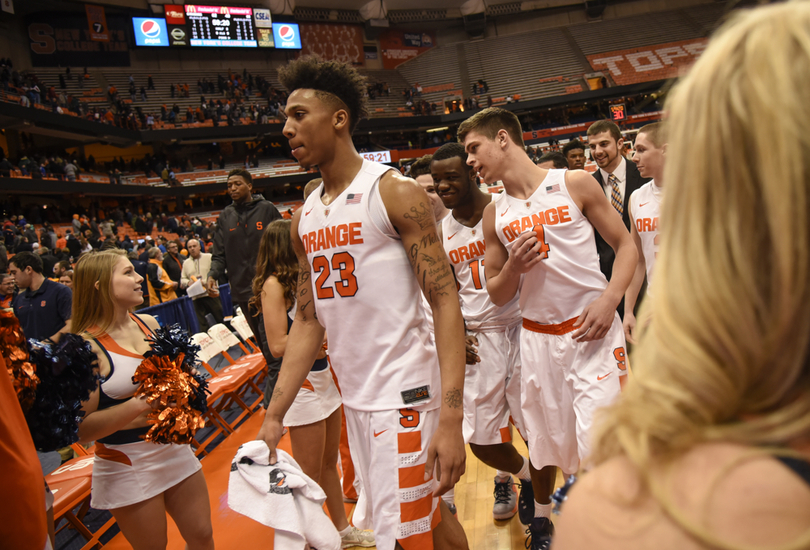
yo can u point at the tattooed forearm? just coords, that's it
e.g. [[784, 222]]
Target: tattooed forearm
[[277, 394], [453, 398], [440, 282], [421, 215]]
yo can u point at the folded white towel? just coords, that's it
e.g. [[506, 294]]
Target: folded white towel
[[280, 496]]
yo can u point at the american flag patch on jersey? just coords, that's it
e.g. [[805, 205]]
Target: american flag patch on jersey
[[354, 198], [553, 188]]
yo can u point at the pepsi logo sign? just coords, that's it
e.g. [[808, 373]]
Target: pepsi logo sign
[[286, 32], [150, 28]]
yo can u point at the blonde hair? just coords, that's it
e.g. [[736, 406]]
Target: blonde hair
[[724, 353], [93, 307]]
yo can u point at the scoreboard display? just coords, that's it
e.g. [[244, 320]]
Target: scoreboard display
[[215, 26], [220, 26]]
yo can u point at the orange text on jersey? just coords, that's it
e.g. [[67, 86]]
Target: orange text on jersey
[[333, 236], [471, 252], [647, 224], [552, 216]]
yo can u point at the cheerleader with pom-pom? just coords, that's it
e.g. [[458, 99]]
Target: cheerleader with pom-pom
[[139, 481]]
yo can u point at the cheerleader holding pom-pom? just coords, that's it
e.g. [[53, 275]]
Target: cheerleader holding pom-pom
[[136, 476]]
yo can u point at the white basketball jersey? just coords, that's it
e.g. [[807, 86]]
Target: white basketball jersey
[[465, 247], [367, 298], [568, 277], [645, 207]]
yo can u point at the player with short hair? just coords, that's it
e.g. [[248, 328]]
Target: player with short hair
[[366, 243], [492, 381], [540, 244], [420, 171], [551, 160], [645, 205], [574, 153]]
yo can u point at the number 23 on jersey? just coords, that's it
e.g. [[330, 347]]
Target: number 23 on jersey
[[343, 264]]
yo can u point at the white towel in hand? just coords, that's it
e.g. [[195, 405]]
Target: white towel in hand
[[280, 496]]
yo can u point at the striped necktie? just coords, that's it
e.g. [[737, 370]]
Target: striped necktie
[[615, 194]]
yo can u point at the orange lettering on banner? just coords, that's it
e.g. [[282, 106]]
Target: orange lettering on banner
[[552, 216], [332, 237], [657, 62]]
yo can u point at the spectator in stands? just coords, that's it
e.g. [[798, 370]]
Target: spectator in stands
[[236, 246], [140, 269], [7, 290], [196, 268], [67, 279], [71, 170], [43, 307], [6, 167], [574, 152], [60, 268], [551, 160], [143, 93], [161, 287], [72, 244], [173, 264], [150, 84], [48, 260]]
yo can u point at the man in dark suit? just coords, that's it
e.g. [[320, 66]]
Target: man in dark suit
[[618, 177]]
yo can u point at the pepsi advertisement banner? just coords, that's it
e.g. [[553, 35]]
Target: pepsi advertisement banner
[[287, 36], [150, 31]]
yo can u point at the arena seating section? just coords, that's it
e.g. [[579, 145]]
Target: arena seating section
[[540, 64]]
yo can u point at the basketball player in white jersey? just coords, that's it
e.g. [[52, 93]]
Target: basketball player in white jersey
[[645, 204], [540, 244], [492, 382], [366, 242]]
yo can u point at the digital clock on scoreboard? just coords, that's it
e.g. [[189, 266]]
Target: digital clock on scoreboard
[[220, 26]]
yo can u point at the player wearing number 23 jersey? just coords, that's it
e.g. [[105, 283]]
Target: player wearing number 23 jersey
[[385, 330], [367, 247]]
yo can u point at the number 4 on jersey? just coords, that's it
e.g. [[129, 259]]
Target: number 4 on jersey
[[540, 233]]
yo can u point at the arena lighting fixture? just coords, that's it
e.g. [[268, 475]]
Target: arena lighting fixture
[[442, 129]]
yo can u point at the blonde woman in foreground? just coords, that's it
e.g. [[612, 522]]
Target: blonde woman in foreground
[[709, 446]]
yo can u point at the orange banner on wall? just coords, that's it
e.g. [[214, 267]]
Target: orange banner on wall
[[659, 62], [399, 46], [333, 42], [97, 22]]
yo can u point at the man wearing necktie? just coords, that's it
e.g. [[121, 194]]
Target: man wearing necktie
[[618, 177]]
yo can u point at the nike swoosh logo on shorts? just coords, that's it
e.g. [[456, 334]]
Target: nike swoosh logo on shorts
[[378, 434], [643, 203], [603, 377]]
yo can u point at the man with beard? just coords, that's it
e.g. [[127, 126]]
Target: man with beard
[[618, 177]]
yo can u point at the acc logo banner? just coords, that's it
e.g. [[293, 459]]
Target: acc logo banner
[[659, 62]]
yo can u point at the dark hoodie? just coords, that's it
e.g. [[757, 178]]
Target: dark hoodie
[[236, 243]]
